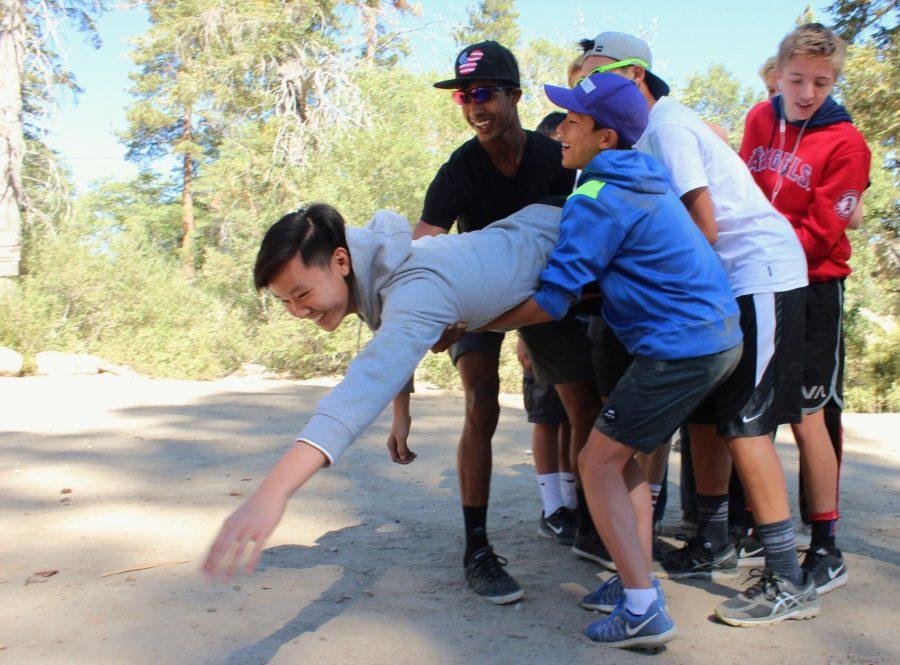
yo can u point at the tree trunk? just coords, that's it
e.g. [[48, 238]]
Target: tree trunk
[[187, 200], [12, 141]]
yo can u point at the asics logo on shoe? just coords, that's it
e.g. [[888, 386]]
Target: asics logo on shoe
[[834, 572], [634, 630], [785, 600], [750, 420]]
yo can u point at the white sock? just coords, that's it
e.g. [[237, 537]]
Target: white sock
[[550, 494], [638, 601], [654, 492], [567, 489]]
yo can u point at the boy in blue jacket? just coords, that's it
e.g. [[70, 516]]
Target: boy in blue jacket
[[666, 297]]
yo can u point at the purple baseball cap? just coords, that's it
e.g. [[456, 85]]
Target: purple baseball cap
[[612, 100]]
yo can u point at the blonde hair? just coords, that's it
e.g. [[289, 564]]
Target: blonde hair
[[813, 39], [769, 68]]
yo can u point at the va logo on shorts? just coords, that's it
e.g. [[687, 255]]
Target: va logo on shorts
[[813, 392], [609, 415], [846, 204]]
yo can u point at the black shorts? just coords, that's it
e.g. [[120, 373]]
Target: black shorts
[[764, 389], [609, 357], [655, 397], [559, 350], [823, 350], [542, 403]]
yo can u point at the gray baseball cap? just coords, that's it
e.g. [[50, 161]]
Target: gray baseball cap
[[620, 46]]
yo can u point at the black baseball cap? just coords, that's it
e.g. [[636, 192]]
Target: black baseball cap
[[484, 61]]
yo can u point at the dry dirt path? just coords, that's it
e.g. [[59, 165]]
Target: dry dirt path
[[366, 566]]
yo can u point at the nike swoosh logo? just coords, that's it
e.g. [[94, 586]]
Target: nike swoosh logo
[[744, 553], [632, 631], [835, 572], [556, 530], [750, 420]]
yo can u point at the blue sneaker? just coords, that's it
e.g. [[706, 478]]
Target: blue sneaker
[[624, 630], [605, 597]]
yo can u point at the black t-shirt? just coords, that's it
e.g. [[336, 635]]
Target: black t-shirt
[[469, 189]]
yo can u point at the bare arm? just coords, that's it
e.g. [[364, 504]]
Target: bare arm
[[402, 422], [423, 229], [699, 203], [258, 516], [524, 314]]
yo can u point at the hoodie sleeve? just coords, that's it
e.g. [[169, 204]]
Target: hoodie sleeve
[[413, 319], [835, 197], [589, 236]]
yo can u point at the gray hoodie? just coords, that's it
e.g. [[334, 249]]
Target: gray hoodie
[[408, 292]]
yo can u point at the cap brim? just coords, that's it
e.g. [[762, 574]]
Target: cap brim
[[657, 87], [452, 84], [564, 98]]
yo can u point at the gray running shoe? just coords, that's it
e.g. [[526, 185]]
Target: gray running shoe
[[826, 568], [589, 546], [486, 576], [559, 527], [697, 559], [770, 600]]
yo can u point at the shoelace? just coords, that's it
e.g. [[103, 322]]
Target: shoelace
[[492, 564], [766, 584]]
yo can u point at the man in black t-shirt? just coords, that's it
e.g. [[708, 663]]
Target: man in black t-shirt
[[499, 171]]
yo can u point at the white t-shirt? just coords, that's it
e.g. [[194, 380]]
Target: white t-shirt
[[756, 244]]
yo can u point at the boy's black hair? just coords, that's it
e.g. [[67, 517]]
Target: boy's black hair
[[313, 233], [550, 122], [586, 44]]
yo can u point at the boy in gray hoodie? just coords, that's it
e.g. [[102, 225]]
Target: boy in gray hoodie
[[408, 292]]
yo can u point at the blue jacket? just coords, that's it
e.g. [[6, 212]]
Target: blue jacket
[[665, 294]]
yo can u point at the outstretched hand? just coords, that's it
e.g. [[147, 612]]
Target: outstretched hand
[[245, 531]]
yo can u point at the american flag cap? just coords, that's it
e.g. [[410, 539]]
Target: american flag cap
[[484, 61]]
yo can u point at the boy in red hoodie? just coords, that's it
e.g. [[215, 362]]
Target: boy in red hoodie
[[813, 164]]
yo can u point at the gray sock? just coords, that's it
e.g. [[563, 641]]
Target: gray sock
[[781, 549], [712, 520]]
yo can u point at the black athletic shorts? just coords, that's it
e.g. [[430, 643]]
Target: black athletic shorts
[[609, 357], [655, 397], [764, 389], [542, 403], [823, 350], [559, 350]]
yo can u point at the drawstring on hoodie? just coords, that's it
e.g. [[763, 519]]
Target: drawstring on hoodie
[[779, 178]]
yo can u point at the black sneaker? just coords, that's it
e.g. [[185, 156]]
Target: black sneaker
[[826, 568], [589, 546], [486, 576], [697, 559], [559, 527], [750, 552], [770, 600]]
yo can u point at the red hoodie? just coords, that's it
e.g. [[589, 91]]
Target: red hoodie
[[820, 186]]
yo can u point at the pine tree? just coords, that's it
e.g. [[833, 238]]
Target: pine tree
[[491, 19], [31, 72]]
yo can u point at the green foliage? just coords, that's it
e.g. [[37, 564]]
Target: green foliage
[[717, 96], [109, 294], [491, 19]]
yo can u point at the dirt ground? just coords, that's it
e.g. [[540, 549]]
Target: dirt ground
[[366, 566]]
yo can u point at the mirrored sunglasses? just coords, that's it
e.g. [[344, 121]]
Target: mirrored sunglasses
[[478, 95]]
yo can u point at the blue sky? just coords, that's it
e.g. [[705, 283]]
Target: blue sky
[[685, 37]]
